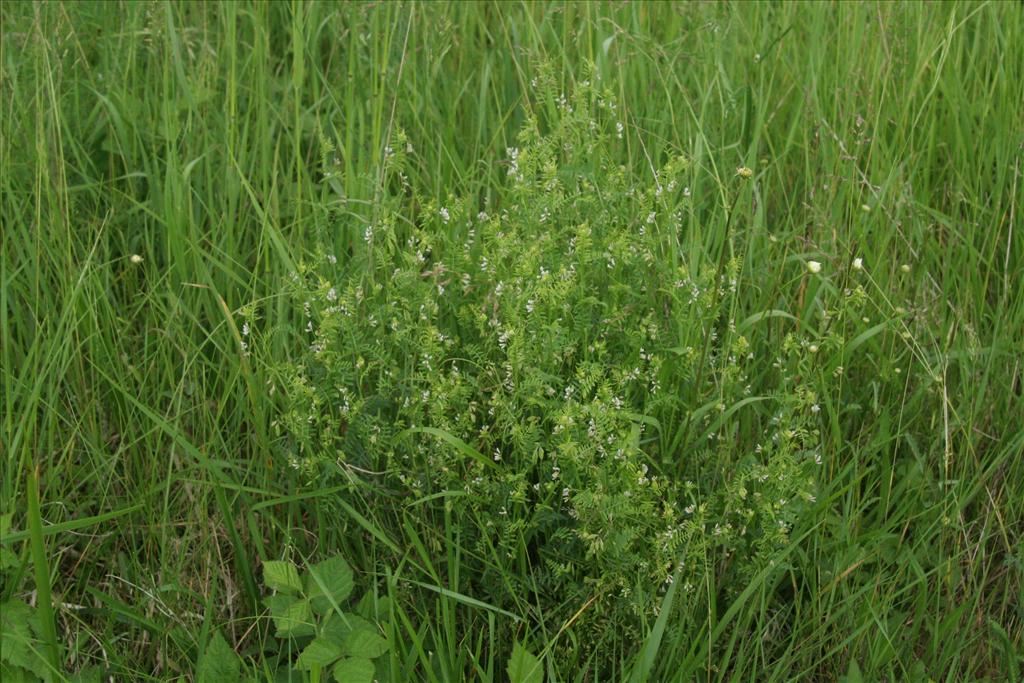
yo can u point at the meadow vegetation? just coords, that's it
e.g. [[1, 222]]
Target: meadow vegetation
[[529, 342]]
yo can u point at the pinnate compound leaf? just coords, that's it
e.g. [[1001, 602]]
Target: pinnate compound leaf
[[523, 667], [281, 576], [329, 581], [354, 670]]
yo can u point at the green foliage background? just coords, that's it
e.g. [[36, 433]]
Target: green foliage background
[[232, 145]]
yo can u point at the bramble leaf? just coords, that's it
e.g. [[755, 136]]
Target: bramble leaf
[[375, 610], [338, 627], [219, 662], [18, 645], [327, 581], [354, 670], [281, 576], [365, 642], [321, 652], [523, 667], [292, 618]]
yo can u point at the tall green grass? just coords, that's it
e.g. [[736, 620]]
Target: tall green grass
[[192, 135]]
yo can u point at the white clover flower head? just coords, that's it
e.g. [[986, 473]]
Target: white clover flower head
[[905, 267], [136, 259], [813, 267], [858, 263], [813, 348], [744, 172]]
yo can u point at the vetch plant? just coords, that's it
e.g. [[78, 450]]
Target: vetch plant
[[553, 372]]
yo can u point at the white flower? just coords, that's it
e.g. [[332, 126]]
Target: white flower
[[136, 259], [445, 216], [905, 267], [858, 263], [813, 267]]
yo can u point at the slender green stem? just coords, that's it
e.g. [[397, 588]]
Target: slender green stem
[[44, 599], [710, 334]]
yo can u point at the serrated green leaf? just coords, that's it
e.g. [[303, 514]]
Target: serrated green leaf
[[219, 662], [523, 667], [14, 631], [15, 674], [279, 603], [365, 642], [374, 609], [18, 646], [8, 559], [853, 674], [295, 620], [281, 576], [354, 670], [321, 652], [90, 674], [327, 581], [338, 626]]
